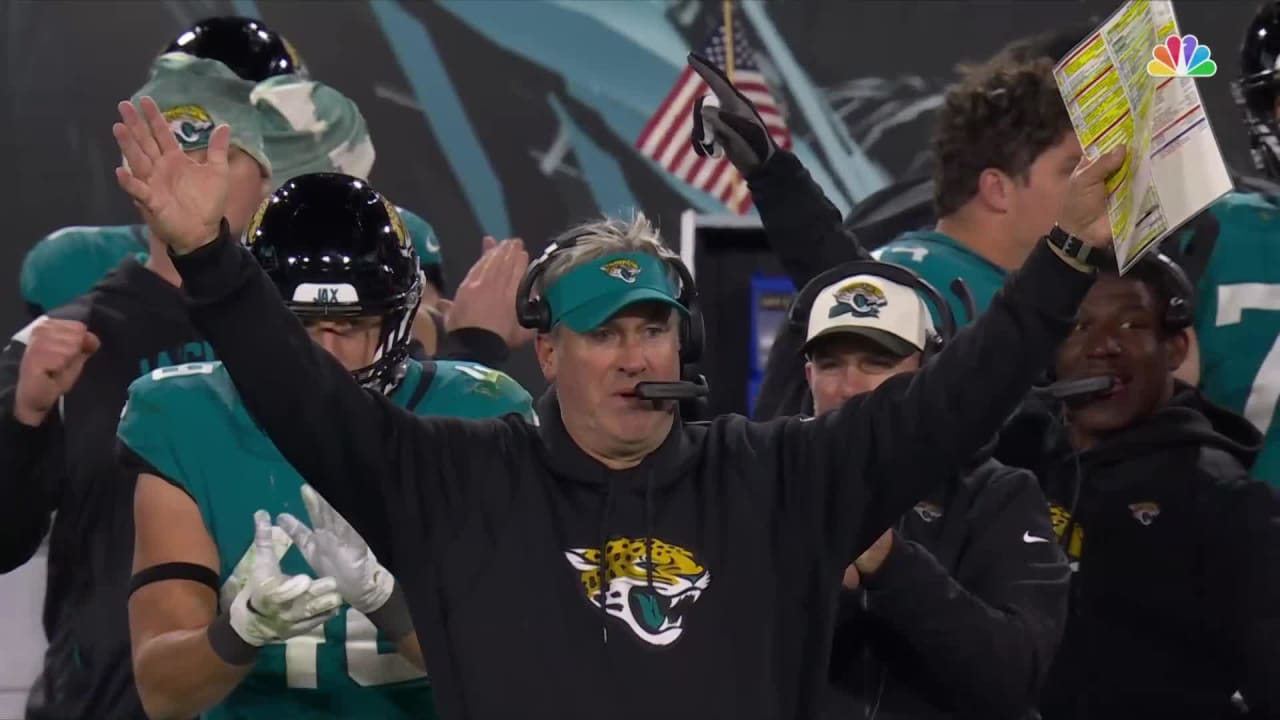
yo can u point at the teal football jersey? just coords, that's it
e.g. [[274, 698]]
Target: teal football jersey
[[66, 264], [1238, 319], [939, 260], [187, 421]]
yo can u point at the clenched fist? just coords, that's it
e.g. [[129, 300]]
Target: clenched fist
[[55, 356]]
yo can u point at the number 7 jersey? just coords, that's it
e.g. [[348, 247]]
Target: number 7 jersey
[[186, 423], [1238, 320]]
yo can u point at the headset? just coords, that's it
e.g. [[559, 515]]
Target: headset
[[1180, 313], [534, 313], [798, 316]]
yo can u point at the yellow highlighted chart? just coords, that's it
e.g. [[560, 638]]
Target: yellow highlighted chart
[[1173, 168]]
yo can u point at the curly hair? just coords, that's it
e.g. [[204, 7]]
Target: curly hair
[[1002, 115]]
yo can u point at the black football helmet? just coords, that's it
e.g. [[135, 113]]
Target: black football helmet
[[336, 248], [252, 50], [1256, 89]]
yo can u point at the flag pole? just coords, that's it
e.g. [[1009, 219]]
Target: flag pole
[[727, 9], [737, 187]]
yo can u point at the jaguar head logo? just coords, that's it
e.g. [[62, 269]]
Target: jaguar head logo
[[190, 124], [928, 511], [624, 269], [859, 299], [654, 612], [1145, 512]]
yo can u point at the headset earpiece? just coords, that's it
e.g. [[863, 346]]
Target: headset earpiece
[[692, 330], [1180, 313]]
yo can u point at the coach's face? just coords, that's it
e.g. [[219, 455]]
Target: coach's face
[[845, 365], [1118, 333], [596, 372]]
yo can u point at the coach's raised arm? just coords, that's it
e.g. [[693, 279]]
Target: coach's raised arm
[[551, 567]]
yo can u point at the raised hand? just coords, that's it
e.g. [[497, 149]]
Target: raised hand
[[729, 122], [333, 548], [55, 356], [272, 607], [1084, 211], [182, 199], [486, 297]]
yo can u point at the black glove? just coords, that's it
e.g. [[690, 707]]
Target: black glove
[[728, 123]]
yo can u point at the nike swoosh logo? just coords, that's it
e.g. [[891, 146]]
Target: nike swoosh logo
[[1029, 538]]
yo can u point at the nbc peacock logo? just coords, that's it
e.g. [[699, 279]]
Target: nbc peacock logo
[[1181, 57]]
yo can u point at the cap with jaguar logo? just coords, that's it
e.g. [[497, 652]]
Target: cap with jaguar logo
[[860, 299], [195, 95], [625, 269], [589, 294], [887, 313]]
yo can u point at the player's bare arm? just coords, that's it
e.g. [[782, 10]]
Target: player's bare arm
[[177, 672]]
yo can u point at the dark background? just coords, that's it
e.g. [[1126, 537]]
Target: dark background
[[878, 66]]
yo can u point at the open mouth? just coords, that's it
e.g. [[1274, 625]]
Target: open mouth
[[660, 612], [1119, 383]]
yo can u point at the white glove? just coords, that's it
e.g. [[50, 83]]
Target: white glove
[[272, 606], [335, 549]]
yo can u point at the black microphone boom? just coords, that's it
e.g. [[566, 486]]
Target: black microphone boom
[[682, 390], [1081, 388]]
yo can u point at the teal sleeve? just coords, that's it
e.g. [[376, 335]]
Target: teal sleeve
[[517, 400], [145, 430], [505, 396]]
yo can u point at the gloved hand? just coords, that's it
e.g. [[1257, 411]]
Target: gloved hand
[[334, 548], [728, 123], [271, 607]]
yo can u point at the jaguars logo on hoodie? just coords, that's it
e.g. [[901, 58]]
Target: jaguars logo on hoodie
[[650, 594]]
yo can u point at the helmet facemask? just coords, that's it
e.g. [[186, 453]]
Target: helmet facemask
[[1256, 97], [387, 368], [1255, 90]]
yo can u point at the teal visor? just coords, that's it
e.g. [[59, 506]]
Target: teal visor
[[587, 296]]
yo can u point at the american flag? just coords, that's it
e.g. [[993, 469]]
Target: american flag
[[665, 138]]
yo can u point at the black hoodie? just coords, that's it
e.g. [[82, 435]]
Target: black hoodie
[[494, 528], [964, 615], [68, 466], [1176, 601]]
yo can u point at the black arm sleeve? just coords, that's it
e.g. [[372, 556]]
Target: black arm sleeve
[[1242, 524], [30, 470], [807, 235], [378, 465], [804, 229], [860, 467], [988, 635]]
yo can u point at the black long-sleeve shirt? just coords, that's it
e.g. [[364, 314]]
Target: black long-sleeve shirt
[[64, 474], [963, 617], [495, 529]]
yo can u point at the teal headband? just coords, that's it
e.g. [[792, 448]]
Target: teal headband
[[588, 295]]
